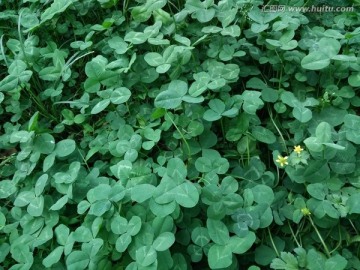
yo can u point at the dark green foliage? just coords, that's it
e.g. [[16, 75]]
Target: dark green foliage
[[188, 134]]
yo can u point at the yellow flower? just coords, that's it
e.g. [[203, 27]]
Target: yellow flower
[[298, 149], [282, 160], [305, 211]]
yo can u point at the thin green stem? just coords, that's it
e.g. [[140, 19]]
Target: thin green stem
[[199, 40], [293, 235], [242, 160], [41, 107], [353, 226], [279, 132], [181, 134], [73, 59], [21, 39], [222, 128], [125, 5], [278, 176], [340, 240], [300, 229], [320, 237], [2, 50], [247, 149], [172, 4], [272, 243], [83, 158], [178, 2]]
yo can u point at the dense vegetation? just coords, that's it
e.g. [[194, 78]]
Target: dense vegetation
[[179, 134]]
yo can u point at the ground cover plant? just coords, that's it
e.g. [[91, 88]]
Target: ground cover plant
[[179, 134]]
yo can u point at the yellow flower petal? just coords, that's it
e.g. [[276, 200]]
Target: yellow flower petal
[[298, 149], [305, 211], [282, 160]]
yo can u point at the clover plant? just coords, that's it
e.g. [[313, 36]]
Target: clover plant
[[188, 134]]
